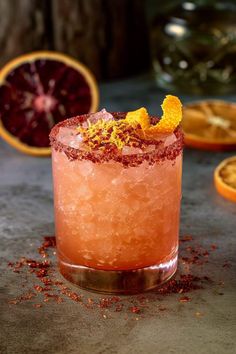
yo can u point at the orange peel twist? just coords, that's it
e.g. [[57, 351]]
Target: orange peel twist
[[140, 116], [172, 115]]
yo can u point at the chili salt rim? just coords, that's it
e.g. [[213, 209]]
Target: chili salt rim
[[169, 152]]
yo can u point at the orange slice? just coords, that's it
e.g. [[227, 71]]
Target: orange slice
[[210, 125], [225, 178], [37, 90]]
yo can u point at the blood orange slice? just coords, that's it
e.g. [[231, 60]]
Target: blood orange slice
[[225, 178], [38, 90], [210, 125]]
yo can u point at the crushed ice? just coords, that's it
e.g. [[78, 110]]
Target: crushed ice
[[171, 139], [70, 137], [129, 150], [101, 115]]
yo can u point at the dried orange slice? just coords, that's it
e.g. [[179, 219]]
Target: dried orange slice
[[210, 125], [38, 90], [225, 178]]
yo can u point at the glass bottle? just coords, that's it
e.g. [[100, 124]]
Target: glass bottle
[[194, 47]]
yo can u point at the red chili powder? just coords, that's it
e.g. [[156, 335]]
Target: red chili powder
[[51, 289], [135, 309], [37, 305], [184, 299]]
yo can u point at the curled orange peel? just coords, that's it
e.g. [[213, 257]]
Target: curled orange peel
[[172, 115], [140, 116]]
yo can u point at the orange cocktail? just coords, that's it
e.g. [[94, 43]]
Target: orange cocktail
[[116, 209]]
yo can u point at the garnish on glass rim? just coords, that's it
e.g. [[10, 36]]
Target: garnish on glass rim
[[136, 126], [172, 115]]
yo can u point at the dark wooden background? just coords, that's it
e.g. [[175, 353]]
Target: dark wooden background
[[109, 36]]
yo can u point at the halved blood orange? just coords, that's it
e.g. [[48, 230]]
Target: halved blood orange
[[38, 90], [225, 178], [210, 125]]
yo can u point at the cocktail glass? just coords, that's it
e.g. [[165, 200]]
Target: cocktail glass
[[116, 214]]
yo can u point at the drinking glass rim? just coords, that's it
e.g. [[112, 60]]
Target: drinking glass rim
[[158, 154]]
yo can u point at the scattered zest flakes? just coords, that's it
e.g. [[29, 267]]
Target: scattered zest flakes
[[107, 134]]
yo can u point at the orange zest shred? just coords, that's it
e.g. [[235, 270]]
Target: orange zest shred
[[127, 132], [112, 132]]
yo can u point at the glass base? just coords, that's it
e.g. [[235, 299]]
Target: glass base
[[119, 281]]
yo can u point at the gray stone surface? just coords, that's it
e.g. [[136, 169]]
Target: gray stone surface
[[26, 213]]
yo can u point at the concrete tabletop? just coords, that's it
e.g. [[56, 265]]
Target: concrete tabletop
[[204, 324]]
